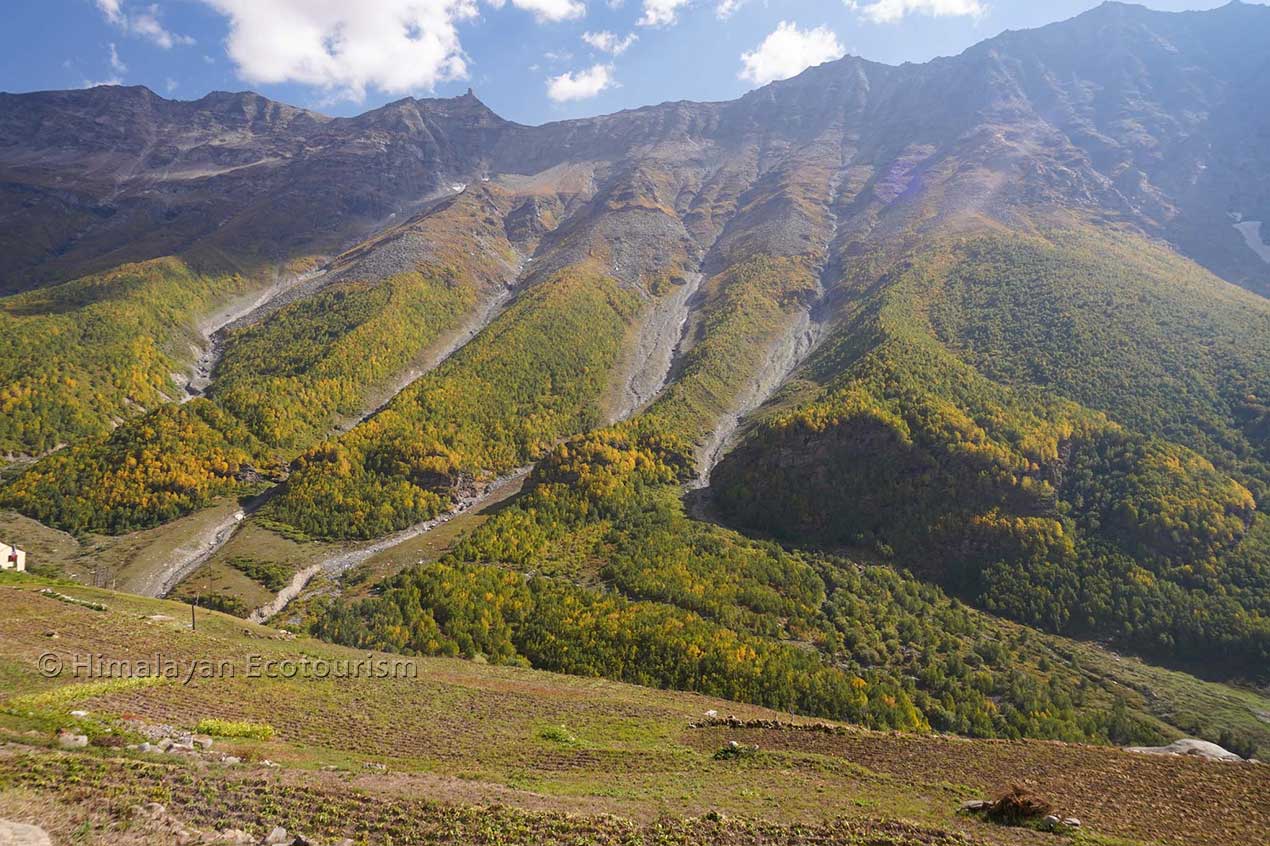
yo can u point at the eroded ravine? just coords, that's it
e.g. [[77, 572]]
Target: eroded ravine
[[243, 311], [340, 562], [209, 542], [658, 339], [655, 348], [787, 353]]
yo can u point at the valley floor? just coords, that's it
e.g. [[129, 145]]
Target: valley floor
[[468, 753]]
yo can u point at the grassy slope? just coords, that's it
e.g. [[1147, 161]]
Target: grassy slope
[[465, 734]]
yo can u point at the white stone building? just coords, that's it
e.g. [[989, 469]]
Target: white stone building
[[12, 558]]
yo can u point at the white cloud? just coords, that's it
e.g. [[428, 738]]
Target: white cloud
[[547, 10], [661, 12], [580, 85], [726, 8], [890, 11], [607, 42], [145, 23], [789, 51], [142, 22], [110, 8], [115, 61], [395, 46]]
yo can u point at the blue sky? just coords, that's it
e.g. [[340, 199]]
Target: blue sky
[[530, 60]]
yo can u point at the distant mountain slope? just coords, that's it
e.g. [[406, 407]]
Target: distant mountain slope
[[1147, 116]]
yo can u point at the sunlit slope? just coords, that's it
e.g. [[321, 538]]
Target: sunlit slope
[[535, 375], [81, 356], [283, 381]]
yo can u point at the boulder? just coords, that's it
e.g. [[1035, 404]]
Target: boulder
[[21, 834], [70, 740], [1189, 746], [277, 836]]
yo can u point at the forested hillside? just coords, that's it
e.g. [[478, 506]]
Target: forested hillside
[[280, 384], [83, 355], [534, 376], [955, 435]]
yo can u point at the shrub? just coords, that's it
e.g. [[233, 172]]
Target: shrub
[[235, 728]]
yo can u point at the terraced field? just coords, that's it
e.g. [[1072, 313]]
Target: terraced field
[[467, 753]]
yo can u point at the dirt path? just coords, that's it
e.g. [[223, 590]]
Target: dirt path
[[340, 562]]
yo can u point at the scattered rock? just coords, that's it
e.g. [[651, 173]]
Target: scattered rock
[[1071, 822], [79, 714], [70, 740], [202, 741], [1191, 747], [20, 834], [277, 836], [52, 635], [231, 760], [972, 805]]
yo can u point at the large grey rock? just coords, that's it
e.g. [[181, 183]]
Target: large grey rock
[[21, 834], [1189, 746], [70, 740]]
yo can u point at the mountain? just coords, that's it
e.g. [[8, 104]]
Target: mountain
[[741, 398]]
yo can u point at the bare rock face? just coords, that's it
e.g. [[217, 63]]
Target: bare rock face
[[1191, 747], [1159, 130]]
